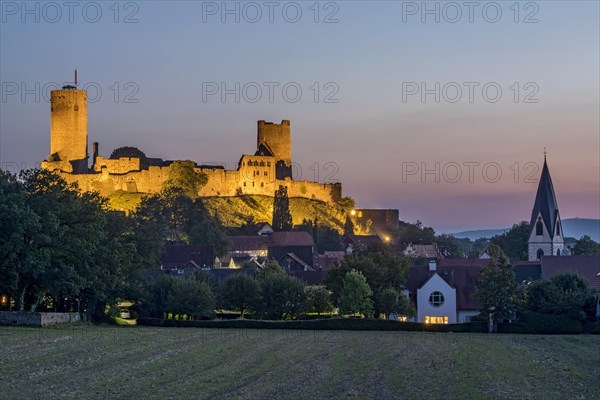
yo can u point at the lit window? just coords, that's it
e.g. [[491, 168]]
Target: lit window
[[436, 299], [436, 319]]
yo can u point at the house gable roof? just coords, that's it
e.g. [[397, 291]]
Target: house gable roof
[[588, 267], [292, 238]]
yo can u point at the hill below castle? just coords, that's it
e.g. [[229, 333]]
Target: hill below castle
[[235, 211]]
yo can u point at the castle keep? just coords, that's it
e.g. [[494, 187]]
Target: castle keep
[[260, 173]]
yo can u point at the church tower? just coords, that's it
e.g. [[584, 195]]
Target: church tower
[[68, 127], [545, 234]]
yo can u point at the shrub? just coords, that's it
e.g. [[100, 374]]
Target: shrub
[[533, 322], [356, 324]]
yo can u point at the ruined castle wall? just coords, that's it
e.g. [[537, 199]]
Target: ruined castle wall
[[120, 166], [327, 192], [220, 183]]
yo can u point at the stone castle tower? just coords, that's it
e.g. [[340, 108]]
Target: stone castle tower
[[274, 140], [545, 234], [68, 128]]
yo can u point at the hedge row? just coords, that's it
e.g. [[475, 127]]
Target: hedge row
[[543, 323], [354, 324]]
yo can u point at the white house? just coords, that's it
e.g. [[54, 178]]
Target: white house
[[437, 302]]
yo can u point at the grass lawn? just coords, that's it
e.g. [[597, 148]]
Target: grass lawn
[[107, 362]]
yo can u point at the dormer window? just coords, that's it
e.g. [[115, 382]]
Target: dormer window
[[539, 227]]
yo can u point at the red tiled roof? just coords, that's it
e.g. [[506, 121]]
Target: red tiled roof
[[362, 238], [588, 267], [248, 243], [463, 278], [294, 238], [178, 255]]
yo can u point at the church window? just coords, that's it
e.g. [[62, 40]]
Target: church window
[[540, 253], [244, 184], [262, 184], [268, 163], [539, 228], [558, 229], [558, 252], [436, 299], [262, 163], [266, 173]]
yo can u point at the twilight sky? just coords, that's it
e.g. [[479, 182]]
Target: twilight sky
[[400, 104]]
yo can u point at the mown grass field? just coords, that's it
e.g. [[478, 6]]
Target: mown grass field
[[111, 362]]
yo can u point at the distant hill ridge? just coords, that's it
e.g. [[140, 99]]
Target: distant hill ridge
[[572, 227]]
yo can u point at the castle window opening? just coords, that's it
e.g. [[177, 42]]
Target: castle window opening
[[262, 184], [262, 163], [266, 173], [76, 108], [244, 184], [268, 163]]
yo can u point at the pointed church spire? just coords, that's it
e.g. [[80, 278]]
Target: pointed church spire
[[545, 205]]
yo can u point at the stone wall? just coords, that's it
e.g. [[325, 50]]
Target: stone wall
[[248, 179], [26, 318]]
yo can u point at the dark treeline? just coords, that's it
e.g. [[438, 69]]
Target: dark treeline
[[65, 250]]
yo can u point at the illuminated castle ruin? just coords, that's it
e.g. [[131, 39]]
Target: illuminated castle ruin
[[258, 174]]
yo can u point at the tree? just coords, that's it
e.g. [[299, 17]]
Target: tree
[[356, 295], [282, 218], [348, 226], [450, 246], [415, 233], [585, 246], [180, 219], [565, 293], [127, 151], [191, 297], [318, 299], [238, 292], [514, 242], [497, 290], [382, 270], [281, 295], [346, 203], [183, 175]]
